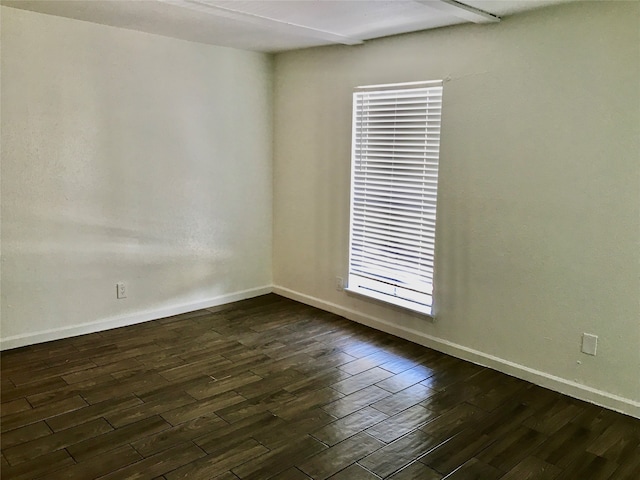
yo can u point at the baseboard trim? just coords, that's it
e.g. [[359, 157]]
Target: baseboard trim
[[128, 319], [552, 382]]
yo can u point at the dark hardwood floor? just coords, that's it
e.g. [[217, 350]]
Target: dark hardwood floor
[[270, 388]]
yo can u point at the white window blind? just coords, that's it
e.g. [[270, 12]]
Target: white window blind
[[394, 186]]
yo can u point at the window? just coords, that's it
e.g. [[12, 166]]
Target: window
[[394, 184]]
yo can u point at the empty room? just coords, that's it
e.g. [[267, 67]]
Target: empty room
[[320, 239]]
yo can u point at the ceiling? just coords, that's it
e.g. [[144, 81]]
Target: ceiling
[[279, 25]]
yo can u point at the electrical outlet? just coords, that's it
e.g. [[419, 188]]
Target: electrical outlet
[[339, 284], [121, 290], [589, 343]]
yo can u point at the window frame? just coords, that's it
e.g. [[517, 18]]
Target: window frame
[[394, 292]]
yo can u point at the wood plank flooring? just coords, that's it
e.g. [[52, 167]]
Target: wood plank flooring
[[269, 388]]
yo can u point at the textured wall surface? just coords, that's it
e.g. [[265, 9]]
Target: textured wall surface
[[128, 157], [539, 209]]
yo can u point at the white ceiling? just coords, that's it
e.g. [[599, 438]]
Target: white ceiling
[[278, 25]]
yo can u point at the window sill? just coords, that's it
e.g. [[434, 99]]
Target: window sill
[[393, 301]]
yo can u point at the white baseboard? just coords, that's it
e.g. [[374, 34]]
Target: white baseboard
[[567, 387], [128, 319], [552, 382]]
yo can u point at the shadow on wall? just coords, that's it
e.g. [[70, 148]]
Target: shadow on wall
[[59, 269]]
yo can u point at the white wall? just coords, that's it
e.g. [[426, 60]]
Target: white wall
[[125, 158], [539, 216], [128, 157]]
